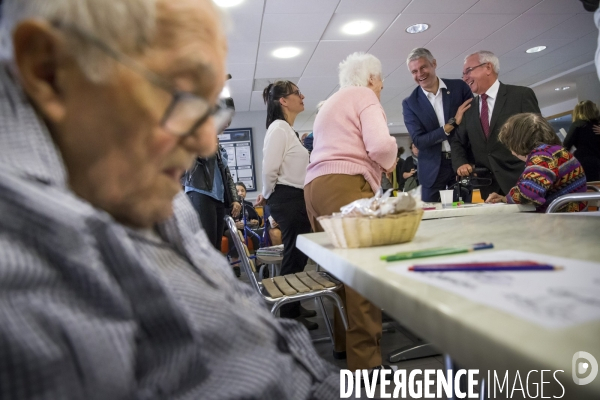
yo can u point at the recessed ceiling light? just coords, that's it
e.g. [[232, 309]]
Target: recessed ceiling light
[[557, 88], [535, 49], [566, 87], [357, 27], [390, 124], [286, 52], [225, 92], [227, 3], [417, 28]]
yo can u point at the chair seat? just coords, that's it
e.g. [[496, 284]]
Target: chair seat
[[302, 282]]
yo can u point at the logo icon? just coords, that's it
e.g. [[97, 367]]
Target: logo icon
[[584, 364]]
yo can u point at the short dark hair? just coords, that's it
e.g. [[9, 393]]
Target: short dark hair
[[522, 133], [271, 95], [242, 185]]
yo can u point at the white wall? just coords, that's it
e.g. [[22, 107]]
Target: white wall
[[559, 108], [257, 119]]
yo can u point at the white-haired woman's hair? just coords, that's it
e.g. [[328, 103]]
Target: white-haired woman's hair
[[357, 68], [127, 26], [487, 57]]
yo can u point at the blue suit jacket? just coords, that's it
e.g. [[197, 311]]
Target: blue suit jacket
[[424, 127]]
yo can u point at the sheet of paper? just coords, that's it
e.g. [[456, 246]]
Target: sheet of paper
[[243, 155], [553, 299]]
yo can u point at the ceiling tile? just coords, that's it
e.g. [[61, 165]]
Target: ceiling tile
[[334, 29], [502, 7], [242, 53], [244, 28], [295, 6], [478, 26], [437, 23], [279, 69], [322, 85], [556, 7], [256, 102], [439, 6], [323, 68], [372, 6], [305, 27], [239, 85], [551, 45], [583, 22], [241, 71], [241, 101]]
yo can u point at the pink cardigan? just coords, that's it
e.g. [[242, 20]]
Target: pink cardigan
[[351, 137]]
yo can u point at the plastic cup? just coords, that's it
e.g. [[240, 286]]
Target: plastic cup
[[446, 196]]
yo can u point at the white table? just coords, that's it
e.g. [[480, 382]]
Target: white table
[[475, 209], [476, 335]]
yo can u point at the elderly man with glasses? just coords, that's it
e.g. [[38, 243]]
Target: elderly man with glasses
[[476, 140], [108, 286]]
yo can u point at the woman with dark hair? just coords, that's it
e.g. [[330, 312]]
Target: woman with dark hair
[[409, 178], [283, 170], [586, 141], [550, 170]]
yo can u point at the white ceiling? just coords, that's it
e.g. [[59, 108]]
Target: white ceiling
[[457, 28]]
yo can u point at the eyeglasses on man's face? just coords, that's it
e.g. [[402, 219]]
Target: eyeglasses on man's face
[[468, 70], [185, 113]]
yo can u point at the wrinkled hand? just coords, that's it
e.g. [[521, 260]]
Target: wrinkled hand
[[389, 175], [239, 225], [461, 110], [596, 129], [235, 209], [495, 198], [260, 201], [464, 170]]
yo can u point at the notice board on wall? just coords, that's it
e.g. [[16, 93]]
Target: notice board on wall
[[240, 154]]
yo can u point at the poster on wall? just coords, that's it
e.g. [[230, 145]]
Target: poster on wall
[[238, 143]]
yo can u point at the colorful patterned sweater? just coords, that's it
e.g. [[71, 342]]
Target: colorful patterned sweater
[[550, 172]]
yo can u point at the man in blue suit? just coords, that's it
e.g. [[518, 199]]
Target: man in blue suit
[[432, 113]]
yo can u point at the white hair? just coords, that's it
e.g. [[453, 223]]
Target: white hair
[[127, 26], [487, 57], [357, 68]]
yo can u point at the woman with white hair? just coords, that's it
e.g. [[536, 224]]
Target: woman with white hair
[[352, 147]]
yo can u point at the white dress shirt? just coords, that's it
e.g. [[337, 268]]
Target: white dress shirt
[[284, 158], [438, 106], [492, 93]]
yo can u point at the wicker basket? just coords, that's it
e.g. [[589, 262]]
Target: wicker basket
[[356, 232]]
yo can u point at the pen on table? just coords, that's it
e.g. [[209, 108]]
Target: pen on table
[[438, 251], [492, 266]]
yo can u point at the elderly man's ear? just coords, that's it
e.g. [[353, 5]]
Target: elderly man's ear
[[39, 54]]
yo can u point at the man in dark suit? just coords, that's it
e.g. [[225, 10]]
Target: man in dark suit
[[432, 113], [476, 140]]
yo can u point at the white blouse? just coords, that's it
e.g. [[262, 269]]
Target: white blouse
[[284, 158]]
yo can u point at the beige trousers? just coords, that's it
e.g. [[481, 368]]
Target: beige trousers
[[325, 195]]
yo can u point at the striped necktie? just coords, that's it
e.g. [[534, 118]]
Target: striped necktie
[[485, 112]]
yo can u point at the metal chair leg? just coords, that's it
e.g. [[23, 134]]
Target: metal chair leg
[[326, 318]]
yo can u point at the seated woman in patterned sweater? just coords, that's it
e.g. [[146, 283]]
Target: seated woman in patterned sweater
[[550, 170]]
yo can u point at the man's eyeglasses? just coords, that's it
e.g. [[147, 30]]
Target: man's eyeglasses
[[185, 113], [296, 92], [468, 70]]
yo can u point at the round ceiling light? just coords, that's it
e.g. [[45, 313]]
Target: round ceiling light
[[225, 92], [535, 49], [357, 27], [227, 3], [566, 87], [286, 52], [417, 28], [557, 89]]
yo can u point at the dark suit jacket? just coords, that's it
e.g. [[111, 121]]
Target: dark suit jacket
[[424, 127], [470, 145]]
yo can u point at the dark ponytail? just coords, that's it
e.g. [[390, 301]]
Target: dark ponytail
[[271, 96]]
